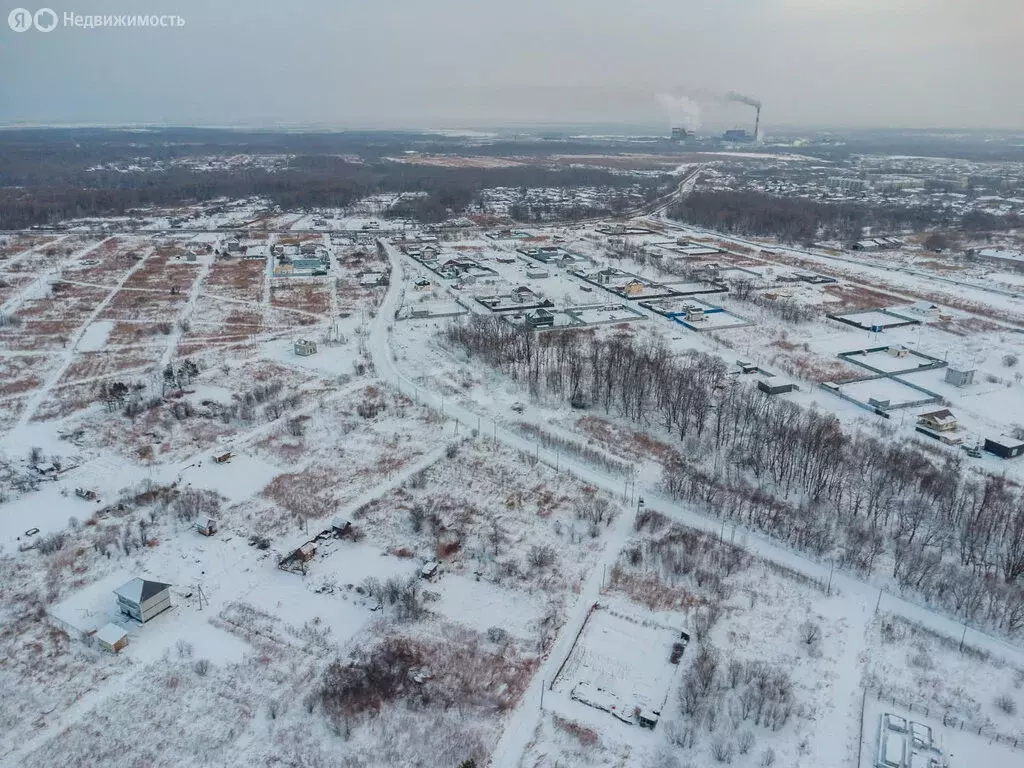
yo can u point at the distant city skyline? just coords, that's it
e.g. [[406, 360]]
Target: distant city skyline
[[423, 64]]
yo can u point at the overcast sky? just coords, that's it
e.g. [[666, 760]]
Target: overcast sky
[[456, 63]]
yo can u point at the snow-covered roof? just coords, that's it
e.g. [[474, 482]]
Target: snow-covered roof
[[943, 416], [111, 634], [1006, 442], [139, 590]]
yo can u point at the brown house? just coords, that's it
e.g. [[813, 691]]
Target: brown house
[[939, 421]]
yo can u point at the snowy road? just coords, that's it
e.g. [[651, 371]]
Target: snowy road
[[860, 262]]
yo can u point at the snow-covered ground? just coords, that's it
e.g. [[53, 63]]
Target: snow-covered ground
[[528, 508]]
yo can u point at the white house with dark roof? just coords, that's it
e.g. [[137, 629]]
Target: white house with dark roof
[[142, 599]]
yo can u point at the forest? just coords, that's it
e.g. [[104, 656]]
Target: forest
[[879, 506], [49, 176], [795, 219]]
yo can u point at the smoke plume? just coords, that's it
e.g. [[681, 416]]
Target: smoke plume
[[682, 111], [750, 100]]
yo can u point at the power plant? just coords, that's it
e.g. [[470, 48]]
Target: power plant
[[742, 135], [685, 116]]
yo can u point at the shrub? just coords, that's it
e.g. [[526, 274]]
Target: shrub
[[416, 516], [1006, 704], [745, 741], [722, 750], [810, 636], [52, 543], [446, 549], [541, 556], [498, 636], [768, 757], [374, 677], [202, 667], [586, 736]]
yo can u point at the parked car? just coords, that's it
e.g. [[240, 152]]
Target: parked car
[[677, 652]]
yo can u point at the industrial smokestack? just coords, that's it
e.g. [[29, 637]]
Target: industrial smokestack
[[757, 126]]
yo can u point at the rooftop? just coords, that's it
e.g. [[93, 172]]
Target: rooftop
[[139, 590]]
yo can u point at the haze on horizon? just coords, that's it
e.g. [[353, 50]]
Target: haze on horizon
[[456, 63]]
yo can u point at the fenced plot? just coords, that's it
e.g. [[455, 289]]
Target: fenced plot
[[619, 664]]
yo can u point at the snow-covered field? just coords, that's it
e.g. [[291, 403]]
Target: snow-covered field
[[148, 381]]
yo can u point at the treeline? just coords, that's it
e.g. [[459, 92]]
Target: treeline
[[308, 182], [49, 176], [954, 538], [795, 219]]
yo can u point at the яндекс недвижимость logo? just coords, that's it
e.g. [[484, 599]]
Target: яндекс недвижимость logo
[[22, 19], [46, 20]]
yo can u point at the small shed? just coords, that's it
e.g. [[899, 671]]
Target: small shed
[[305, 347], [206, 525], [775, 388], [340, 526], [306, 552], [112, 638], [429, 570], [647, 718], [223, 458], [1005, 447], [142, 599], [959, 377]]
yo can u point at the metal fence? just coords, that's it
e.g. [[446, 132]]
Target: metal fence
[[951, 722]]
